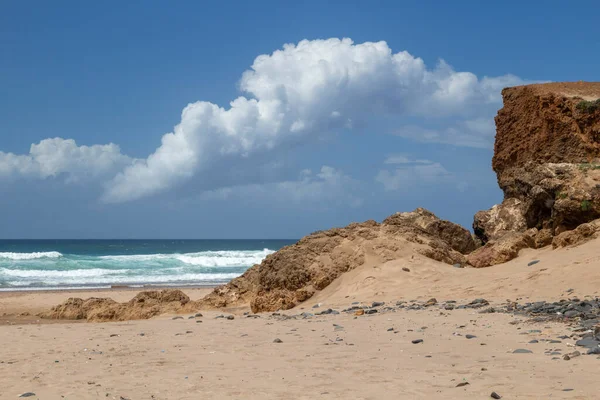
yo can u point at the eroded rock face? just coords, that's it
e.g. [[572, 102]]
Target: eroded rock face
[[454, 235], [294, 273], [144, 305], [500, 220], [543, 124], [547, 159], [502, 249], [579, 235]]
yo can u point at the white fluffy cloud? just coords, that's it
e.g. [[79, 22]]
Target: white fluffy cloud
[[55, 157], [410, 173], [300, 92], [329, 186], [303, 90]]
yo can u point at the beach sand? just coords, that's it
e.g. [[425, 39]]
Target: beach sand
[[364, 357]]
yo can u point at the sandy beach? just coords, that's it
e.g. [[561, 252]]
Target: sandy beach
[[337, 356]]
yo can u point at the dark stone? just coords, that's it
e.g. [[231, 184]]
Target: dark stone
[[370, 311], [534, 341], [390, 329], [230, 317], [470, 336], [198, 315], [405, 269], [463, 384], [28, 394], [417, 341], [328, 311], [277, 341], [495, 395], [377, 304], [530, 263], [177, 318], [522, 351], [588, 342], [595, 350]]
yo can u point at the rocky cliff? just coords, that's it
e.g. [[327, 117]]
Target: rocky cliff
[[547, 160]]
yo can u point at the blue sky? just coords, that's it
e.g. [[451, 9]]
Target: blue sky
[[327, 130]]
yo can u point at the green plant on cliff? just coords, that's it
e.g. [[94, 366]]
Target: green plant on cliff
[[586, 205], [588, 166], [588, 106]]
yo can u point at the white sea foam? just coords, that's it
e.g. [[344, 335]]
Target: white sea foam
[[30, 256], [227, 258], [52, 269], [54, 274]]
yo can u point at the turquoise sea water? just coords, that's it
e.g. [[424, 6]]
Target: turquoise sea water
[[65, 264]]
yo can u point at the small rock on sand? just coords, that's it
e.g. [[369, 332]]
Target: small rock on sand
[[522, 351], [417, 341], [27, 394], [495, 395], [277, 341]]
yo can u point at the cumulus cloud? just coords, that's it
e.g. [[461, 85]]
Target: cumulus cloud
[[57, 157], [298, 93], [410, 173], [302, 91], [327, 187]]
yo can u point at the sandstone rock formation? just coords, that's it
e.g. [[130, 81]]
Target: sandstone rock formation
[[144, 305], [296, 272], [547, 160]]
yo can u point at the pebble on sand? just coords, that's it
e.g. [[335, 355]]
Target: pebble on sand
[[417, 341], [522, 351], [495, 395], [27, 394], [277, 341]]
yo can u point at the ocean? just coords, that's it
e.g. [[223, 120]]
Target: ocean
[[75, 264]]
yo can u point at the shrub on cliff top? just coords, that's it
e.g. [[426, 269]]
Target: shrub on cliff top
[[588, 106]]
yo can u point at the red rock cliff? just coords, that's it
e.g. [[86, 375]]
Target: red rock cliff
[[545, 124], [547, 160]]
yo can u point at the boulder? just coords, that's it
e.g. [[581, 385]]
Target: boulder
[[295, 273], [502, 249], [500, 220], [144, 305], [579, 235]]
